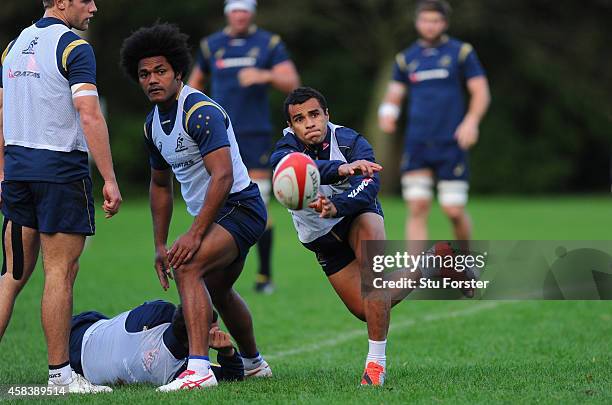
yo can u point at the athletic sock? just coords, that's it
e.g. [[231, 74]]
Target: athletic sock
[[60, 374], [251, 363], [199, 364], [264, 247], [376, 352]]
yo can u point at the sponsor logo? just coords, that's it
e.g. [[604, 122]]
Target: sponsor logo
[[360, 188], [56, 375], [235, 62], [148, 358], [22, 73], [179, 144], [428, 75], [160, 146], [182, 165], [30, 49]]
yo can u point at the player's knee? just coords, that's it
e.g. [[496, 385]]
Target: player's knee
[[455, 214], [417, 188], [419, 209], [453, 194]]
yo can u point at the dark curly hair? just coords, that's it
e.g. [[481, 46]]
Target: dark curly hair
[[161, 39], [179, 328], [300, 96]]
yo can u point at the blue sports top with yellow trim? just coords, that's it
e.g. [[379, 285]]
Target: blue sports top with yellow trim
[[77, 64], [221, 56], [436, 79]]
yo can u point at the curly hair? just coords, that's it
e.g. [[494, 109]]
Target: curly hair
[[161, 39]]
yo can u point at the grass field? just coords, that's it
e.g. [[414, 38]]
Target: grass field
[[438, 352]]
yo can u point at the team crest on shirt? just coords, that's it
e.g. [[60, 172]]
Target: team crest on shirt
[[179, 144], [458, 170], [254, 52], [445, 61], [148, 358], [30, 49]]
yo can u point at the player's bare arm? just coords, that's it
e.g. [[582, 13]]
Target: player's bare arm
[[219, 164], [160, 195], [197, 78], [480, 98], [283, 76], [96, 134], [389, 110]]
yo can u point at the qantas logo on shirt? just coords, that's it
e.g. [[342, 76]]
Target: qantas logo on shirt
[[22, 73], [235, 62], [432, 74], [360, 188], [30, 49]]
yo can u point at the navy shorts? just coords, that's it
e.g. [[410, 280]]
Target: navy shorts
[[50, 207], [80, 323], [333, 249], [255, 149], [446, 159], [245, 219]]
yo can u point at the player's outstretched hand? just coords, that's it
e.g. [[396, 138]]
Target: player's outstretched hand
[[162, 267], [112, 198], [467, 133], [183, 249], [324, 206], [220, 341], [359, 167]]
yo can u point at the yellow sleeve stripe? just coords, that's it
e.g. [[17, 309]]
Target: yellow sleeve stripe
[[205, 48], [6, 51], [274, 41], [464, 52], [202, 104], [401, 62], [69, 49]]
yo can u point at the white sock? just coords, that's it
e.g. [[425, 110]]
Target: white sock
[[61, 374], [199, 364], [251, 363], [376, 352]]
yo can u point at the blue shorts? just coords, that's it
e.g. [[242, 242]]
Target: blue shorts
[[446, 159], [80, 323], [255, 149], [50, 207], [245, 219], [333, 249]]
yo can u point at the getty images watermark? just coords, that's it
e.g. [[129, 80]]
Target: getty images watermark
[[488, 270]]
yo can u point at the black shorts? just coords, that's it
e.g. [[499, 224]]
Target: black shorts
[[333, 249], [80, 323], [50, 207]]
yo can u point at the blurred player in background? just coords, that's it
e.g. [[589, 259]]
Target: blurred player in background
[[440, 131], [147, 344], [347, 213], [191, 136], [50, 119], [241, 62]]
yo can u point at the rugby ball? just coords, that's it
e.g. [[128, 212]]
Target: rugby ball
[[296, 181]]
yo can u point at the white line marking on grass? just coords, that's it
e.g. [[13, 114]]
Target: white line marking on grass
[[350, 335]]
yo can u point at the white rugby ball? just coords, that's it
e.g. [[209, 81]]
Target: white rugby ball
[[296, 181]]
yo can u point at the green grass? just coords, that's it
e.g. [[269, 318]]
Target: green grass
[[438, 351]]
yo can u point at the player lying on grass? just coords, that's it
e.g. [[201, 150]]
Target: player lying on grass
[[347, 213], [191, 136], [147, 344]]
